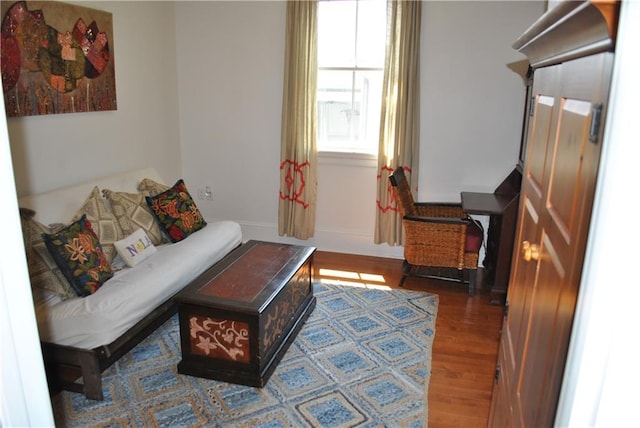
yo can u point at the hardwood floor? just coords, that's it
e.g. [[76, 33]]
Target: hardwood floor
[[465, 348]]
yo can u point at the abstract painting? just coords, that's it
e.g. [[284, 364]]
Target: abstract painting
[[56, 58]]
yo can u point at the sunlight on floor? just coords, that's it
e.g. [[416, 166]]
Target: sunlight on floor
[[353, 279]]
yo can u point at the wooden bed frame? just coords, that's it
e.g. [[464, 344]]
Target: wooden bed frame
[[80, 369], [66, 366]]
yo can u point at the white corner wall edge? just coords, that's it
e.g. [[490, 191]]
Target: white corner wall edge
[[602, 374], [24, 395]]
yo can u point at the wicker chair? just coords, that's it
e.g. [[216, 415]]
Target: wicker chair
[[439, 236]]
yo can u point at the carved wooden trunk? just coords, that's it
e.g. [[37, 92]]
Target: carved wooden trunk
[[239, 317]]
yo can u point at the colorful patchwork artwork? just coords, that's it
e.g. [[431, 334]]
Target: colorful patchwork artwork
[[56, 58]]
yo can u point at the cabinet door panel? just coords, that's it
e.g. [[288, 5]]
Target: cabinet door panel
[[537, 356], [557, 195], [565, 182], [543, 119]]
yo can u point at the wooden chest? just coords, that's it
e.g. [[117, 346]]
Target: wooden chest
[[239, 317]]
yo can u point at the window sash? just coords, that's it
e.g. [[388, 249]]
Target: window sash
[[350, 73], [349, 103]]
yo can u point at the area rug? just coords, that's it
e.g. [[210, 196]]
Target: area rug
[[363, 358]]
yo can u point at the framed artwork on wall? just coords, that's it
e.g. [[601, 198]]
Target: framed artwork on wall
[[56, 58]]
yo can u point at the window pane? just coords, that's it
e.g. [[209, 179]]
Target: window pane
[[337, 40], [351, 36], [372, 33], [368, 92], [335, 89], [349, 110]]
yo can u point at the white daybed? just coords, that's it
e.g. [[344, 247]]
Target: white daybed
[[90, 333]]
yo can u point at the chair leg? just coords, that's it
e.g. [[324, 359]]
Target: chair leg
[[472, 281], [406, 270], [404, 276]]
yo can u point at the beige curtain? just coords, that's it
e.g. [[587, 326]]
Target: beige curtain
[[298, 186], [399, 127]]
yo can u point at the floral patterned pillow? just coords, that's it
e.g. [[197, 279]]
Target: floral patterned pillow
[[78, 253], [176, 212]]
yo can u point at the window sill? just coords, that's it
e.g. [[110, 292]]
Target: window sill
[[350, 159]]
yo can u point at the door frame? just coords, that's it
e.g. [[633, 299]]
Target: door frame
[[601, 362]]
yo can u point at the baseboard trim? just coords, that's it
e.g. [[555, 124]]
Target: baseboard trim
[[324, 240]]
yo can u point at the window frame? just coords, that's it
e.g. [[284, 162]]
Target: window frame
[[352, 152]]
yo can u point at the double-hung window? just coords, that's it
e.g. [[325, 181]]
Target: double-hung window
[[351, 50]]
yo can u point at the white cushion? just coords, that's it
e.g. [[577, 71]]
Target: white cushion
[[135, 248], [132, 293], [58, 206]]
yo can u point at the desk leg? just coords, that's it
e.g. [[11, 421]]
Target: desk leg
[[499, 251], [491, 256]]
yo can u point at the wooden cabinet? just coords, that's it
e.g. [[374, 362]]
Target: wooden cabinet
[[571, 51]]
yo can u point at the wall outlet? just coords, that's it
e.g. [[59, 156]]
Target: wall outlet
[[205, 194]]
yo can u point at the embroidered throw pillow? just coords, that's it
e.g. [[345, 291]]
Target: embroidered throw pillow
[[176, 212], [103, 222], [135, 248], [79, 256], [151, 188], [133, 213], [44, 273]]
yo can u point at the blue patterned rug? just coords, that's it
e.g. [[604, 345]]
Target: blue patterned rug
[[363, 358]]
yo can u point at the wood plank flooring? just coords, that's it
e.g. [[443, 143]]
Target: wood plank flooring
[[465, 348]]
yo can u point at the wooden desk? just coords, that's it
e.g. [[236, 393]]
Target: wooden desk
[[502, 209], [485, 203]]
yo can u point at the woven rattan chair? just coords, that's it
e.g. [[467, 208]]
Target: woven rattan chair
[[439, 237]]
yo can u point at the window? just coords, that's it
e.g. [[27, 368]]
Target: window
[[351, 49]]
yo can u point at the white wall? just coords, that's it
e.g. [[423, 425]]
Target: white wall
[[199, 88], [24, 396], [230, 99], [472, 100], [230, 104], [144, 40], [56, 150]]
